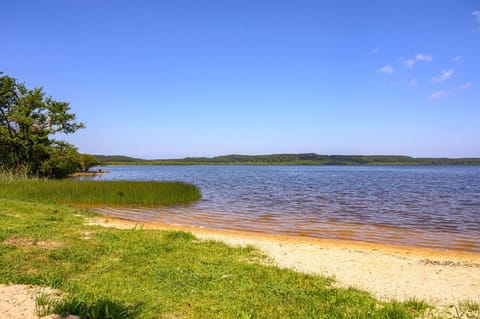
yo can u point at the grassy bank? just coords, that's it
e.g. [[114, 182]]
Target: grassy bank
[[98, 192], [157, 274]]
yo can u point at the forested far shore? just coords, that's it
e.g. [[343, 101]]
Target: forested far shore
[[290, 159]]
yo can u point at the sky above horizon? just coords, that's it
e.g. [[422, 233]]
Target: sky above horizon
[[169, 79]]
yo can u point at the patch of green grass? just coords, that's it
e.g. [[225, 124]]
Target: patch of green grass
[[139, 273], [148, 193], [417, 305], [100, 309]]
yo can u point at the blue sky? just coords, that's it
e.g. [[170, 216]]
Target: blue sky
[[166, 79]]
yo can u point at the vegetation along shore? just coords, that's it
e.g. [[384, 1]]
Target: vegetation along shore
[[148, 193], [289, 159]]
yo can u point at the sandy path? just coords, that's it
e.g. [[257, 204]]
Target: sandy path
[[442, 278]]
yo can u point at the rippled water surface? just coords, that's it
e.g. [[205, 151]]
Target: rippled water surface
[[431, 206]]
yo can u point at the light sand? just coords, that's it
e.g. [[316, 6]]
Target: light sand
[[18, 301], [442, 278]]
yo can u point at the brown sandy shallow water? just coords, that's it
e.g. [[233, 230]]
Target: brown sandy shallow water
[[441, 277]]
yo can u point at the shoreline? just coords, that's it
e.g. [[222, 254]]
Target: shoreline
[[441, 277], [90, 173], [359, 244], [353, 232]]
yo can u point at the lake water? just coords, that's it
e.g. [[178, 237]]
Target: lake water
[[429, 206]]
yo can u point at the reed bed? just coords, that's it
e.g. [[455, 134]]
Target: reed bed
[[145, 193]]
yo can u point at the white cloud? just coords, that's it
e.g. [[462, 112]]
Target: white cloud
[[374, 51], [423, 57], [465, 86], [476, 14], [458, 58], [408, 63], [442, 77], [443, 93], [386, 69], [438, 94]]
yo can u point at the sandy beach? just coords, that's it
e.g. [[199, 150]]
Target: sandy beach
[[441, 277]]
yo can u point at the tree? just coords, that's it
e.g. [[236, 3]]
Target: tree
[[28, 120], [64, 160], [88, 161]]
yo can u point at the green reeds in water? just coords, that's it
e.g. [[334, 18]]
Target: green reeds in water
[[146, 193]]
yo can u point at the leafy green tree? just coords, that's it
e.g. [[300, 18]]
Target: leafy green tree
[[28, 120], [64, 160], [88, 161]]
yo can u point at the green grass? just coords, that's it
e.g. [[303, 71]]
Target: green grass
[[98, 192], [112, 273]]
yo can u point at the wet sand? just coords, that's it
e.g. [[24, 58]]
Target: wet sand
[[441, 277]]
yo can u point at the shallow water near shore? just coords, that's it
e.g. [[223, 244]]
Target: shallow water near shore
[[427, 206]]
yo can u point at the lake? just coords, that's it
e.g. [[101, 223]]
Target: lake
[[427, 206]]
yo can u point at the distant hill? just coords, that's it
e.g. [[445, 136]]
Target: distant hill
[[117, 158], [290, 159]]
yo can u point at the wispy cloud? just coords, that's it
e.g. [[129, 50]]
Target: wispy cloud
[[408, 63], [465, 86], [443, 76], [374, 51], [388, 69], [476, 14], [423, 57], [458, 58], [413, 82], [443, 93], [438, 94]]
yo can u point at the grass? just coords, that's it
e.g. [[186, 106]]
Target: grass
[[467, 310], [112, 273], [148, 193], [46, 304]]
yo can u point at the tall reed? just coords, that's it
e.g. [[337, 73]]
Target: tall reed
[[148, 193]]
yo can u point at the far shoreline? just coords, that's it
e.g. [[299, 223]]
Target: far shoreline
[[302, 159]]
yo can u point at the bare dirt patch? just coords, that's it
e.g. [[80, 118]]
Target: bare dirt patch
[[28, 242]]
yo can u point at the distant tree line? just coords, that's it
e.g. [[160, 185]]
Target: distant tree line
[[28, 121], [291, 159]]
